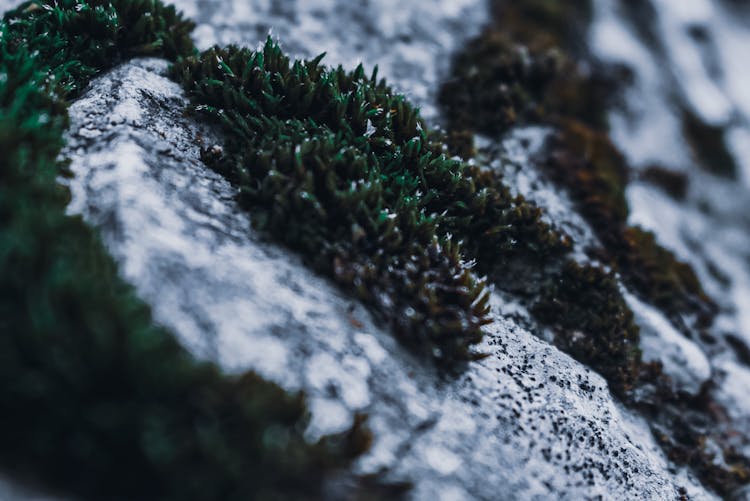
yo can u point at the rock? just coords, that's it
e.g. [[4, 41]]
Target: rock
[[527, 418], [525, 422]]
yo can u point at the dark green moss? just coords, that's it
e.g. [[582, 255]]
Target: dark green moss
[[708, 145], [77, 39], [96, 400], [337, 166]]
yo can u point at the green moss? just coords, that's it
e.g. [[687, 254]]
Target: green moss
[[338, 167], [525, 69], [96, 400], [77, 39], [515, 73], [520, 70]]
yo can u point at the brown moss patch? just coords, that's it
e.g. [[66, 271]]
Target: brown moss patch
[[593, 323], [596, 174], [544, 24], [662, 279]]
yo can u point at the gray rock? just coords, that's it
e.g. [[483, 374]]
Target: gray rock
[[527, 422]]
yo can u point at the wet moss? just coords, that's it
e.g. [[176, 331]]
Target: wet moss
[[96, 400], [336, 166], [708, 145]]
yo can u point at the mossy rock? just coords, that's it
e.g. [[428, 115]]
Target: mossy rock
[[337, 166], [98, 401]]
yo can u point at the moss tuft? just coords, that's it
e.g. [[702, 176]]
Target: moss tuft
[[498, 82]]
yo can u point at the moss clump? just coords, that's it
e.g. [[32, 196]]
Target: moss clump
[[544, 24], [516, 73], [523, 70], [520, 71], [494, 84], [708, 145], [97, 400], [593, 323], [76, 39], [335, 165]]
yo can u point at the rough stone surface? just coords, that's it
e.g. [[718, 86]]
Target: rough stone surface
[[527, 422], [527, 418]]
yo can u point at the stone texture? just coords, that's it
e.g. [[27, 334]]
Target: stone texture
[[527, 419]]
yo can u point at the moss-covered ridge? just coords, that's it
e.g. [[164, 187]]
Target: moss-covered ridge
[[525, 69], [337, 166], [96, 400]]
